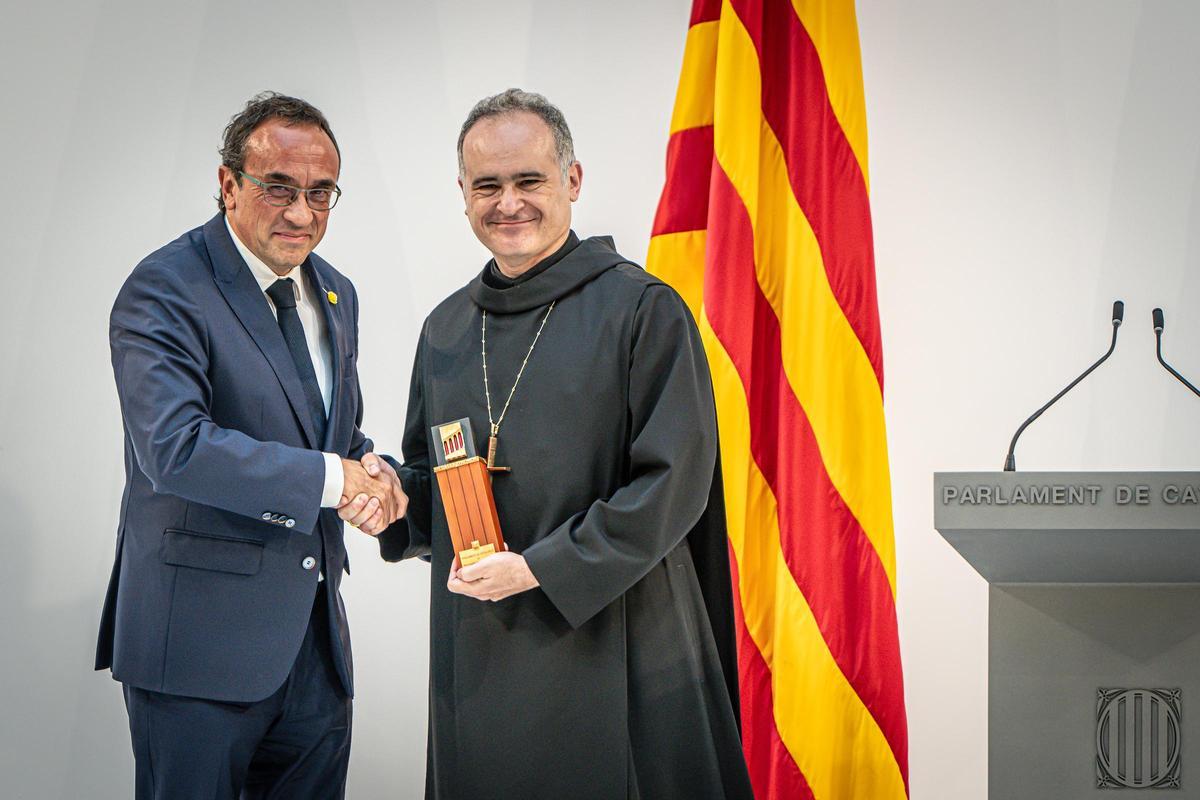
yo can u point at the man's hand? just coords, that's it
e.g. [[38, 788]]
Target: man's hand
[[372, 497], [496, 577]]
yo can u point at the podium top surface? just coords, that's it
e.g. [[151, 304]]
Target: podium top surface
[[1073, 527]]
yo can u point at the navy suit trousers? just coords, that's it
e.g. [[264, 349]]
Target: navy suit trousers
[[293, 744]]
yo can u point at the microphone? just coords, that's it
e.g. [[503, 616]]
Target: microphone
[[1157, 316], [1118, 315]]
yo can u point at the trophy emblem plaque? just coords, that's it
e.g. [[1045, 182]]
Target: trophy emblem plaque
[[466, 488]]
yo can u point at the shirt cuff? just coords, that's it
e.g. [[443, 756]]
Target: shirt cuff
[[335, 481]]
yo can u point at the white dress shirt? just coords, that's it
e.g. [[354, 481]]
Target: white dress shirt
[[318, 350]]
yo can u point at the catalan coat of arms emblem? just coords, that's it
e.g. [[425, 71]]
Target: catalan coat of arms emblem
[[1138, 738]]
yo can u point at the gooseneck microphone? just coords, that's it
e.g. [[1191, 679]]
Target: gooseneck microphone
[[1158, 331], [1118, 314]]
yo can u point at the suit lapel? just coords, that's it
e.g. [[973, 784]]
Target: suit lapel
[[321, 283], [244, 296]]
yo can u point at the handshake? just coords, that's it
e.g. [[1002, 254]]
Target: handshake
[[372, 497]]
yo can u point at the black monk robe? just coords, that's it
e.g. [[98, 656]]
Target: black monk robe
[[612, 679]]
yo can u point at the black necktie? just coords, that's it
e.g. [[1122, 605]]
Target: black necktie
[[283, 294]]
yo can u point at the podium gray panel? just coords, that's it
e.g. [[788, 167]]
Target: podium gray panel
[[1050, 649], [1073, 527], [1095, 585]]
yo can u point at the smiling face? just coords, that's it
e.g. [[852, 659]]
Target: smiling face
[[517, 200], [301, 155]]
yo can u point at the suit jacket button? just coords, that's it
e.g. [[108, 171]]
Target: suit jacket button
[[291, 523], [309, 562], [266, 515]]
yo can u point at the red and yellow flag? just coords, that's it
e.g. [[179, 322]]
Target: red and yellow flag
[[764, 227]]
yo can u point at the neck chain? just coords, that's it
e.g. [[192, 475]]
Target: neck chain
[[493, 439]]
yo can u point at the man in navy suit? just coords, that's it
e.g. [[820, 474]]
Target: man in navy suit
[[233, 349]]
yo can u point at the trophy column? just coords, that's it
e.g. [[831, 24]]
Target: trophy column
[[466, 489]]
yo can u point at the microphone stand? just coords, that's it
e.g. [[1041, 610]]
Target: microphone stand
[[1010, 462], [1157, 316]]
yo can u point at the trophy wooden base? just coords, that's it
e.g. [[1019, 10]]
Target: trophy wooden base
[[466, 491]]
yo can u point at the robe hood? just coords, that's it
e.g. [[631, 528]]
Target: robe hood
[[592, 256]]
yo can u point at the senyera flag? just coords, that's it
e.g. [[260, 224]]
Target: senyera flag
[[764, 227]]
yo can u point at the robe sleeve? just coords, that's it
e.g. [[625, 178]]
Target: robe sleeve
[[410, 536], [597, 555]]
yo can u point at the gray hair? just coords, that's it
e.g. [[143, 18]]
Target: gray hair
[[513, 101], [262, 107]]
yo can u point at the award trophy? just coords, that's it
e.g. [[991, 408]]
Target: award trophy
[[466, 489]]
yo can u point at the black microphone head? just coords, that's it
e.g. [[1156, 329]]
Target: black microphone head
[[1118, 312], [1158, 320]]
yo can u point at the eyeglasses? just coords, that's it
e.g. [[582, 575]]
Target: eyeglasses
[[280, 194]]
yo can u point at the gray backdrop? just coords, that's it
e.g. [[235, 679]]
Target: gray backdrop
[[1031, 161]]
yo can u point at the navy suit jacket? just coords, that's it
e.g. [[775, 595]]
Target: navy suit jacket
[[211, 593]]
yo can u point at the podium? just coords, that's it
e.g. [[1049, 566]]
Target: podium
[[1093, 627]]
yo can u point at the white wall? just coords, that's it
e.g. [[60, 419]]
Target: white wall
[[1031, 161]]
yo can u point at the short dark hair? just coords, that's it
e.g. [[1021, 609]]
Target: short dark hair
[[514, 101], [262, 107]]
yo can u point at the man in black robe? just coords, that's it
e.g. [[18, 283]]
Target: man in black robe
[[594, 658]]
